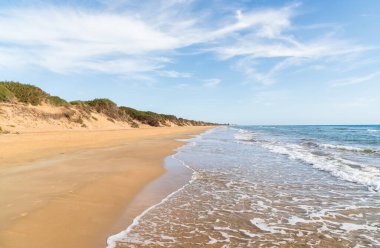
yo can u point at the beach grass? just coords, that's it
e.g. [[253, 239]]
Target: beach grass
[[25, 93], [57, 101], [29, 94], [5, 94]]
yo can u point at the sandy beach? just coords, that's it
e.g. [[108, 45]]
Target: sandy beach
[[69, 188], [189, 124]]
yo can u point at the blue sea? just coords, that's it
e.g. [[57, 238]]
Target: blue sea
[[270, 186]]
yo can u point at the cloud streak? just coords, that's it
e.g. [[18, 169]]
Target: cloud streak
[[143, 38], [355, 80], [66, 40]]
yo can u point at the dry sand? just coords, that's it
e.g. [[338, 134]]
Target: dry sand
[[68, 188]]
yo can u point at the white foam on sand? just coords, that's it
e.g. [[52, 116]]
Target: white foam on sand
[[260, 223], [248, 233], [123, 235], [354, 227]]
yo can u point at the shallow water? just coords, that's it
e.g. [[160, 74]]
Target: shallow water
[[279, 186]]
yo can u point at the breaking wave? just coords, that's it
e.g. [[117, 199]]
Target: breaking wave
[[365, 174]]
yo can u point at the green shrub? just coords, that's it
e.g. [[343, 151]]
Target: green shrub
[[26, 93], [149, 118], [57, 101], [105, 106], [156, 120], [5, 94], [101, 103], [83, 107], [77, 102]]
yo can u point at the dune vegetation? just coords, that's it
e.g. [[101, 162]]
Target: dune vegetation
[[14, 92]]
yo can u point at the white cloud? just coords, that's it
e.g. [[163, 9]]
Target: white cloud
[[174, 74], [211, 83], [69, 40], [271, 35], [268, 23], [355, 80], [142, 38], [280, 49]]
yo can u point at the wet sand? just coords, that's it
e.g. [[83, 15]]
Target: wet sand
[[70, 189], [175, 177]]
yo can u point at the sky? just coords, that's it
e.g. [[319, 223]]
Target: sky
[[242, 62]]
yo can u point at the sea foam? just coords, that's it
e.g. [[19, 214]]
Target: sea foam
[[123, 235], [373, 130], [347, 170], [365, 174]]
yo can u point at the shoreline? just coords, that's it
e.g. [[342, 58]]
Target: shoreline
[[176, 177], [73, 193]]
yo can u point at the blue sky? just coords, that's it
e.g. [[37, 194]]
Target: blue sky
[[244, 62]]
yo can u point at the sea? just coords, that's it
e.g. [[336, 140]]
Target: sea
[[269, 186]]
